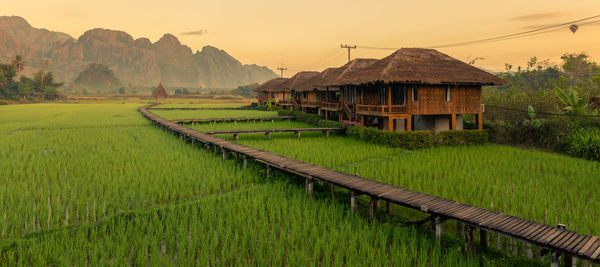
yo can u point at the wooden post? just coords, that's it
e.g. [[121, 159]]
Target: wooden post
[[372, 207], [480, 121], [268, 170], [438, 229], [453, 122], [388, 207], [468, 240], [408, 123], [298, 134], [236, 136], [224, 153], [332, 192], [390, 124], [245, 161], [353, 202], [236, 155], [483, 238], [568, 260], [268, 135], [309, 186], [215, 149]]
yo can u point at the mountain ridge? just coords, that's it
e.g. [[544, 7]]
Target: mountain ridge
[[136, 62]]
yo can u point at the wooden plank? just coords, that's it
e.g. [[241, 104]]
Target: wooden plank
[[590, 250], [583, 243]]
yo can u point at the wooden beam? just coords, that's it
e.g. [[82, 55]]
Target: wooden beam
[[408, 123], [468, 240], [373, 207], [453, 122], [483, 238], [480, 121]]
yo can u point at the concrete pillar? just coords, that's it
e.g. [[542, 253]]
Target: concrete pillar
[[438, 229], [353, 202], [309, 186]]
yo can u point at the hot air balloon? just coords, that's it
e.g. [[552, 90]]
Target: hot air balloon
[[574, 28]]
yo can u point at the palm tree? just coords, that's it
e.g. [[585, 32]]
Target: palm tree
[[18, 64]]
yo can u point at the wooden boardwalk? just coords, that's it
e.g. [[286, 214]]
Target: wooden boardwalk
[[248, 119], [268, 132], [240, 108], [555, 239]]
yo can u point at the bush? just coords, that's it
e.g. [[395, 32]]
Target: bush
[[464, 137], [309, 118], [585, 143], [408, 140]]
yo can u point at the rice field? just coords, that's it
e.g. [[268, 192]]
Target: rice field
[[98, 184], [541, 186], [258, 125]]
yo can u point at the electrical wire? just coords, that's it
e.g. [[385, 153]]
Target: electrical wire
[[504, 37]]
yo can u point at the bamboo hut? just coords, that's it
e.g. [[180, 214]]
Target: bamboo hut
[[160, 92]]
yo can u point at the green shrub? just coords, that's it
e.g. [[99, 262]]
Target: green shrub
[[585, 143], [408, 140], [309, 118], [464, 137]]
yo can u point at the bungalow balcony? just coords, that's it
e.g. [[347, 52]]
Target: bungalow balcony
[[331, 106], [285, 102], [380, 110], [308, 104]]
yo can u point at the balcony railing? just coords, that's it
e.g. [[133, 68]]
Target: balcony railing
[[331, 105], [308, 104], [285, 102], [380, 109]]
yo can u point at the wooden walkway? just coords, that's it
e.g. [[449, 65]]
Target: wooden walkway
[[248, 119], [555, 239], [240, 108], [268, 132]]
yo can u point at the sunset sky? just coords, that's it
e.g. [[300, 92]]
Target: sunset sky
[[306, 35]]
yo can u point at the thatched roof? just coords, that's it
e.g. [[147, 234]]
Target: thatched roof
[[270, 85], [296, 80], [419, 65], [330, 76], [160, 91]]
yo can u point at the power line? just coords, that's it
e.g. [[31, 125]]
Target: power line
[[541, 30]]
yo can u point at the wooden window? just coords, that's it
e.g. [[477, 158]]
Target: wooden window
[[415, 93], [448, 94]]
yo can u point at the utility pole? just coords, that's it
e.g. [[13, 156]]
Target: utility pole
[[348, 47], [281, 69]]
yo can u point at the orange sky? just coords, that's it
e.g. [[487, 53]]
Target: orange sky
[[301, 33]]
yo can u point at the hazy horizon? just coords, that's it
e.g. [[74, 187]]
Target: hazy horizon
[[306, 35]]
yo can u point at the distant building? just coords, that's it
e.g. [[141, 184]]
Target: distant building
[[160, 92]]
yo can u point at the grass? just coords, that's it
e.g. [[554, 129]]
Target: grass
[[544, 187], [99, 185]]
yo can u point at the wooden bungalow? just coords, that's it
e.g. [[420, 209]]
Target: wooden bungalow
[[269, 90], [298, 98], [413, 89]]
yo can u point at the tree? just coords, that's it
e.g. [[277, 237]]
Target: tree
[[18, 64], [25, 87], [7, 83], [44, 83]]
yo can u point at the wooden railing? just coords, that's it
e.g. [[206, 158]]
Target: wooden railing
[[331, 105], [309, 103], [285, 102], [381, 109]]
